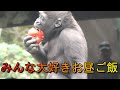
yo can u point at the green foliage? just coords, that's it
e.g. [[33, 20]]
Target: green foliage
[[12, 51], [14, 35], [11, 54]]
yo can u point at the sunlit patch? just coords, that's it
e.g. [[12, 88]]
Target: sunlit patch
[[42, 13]]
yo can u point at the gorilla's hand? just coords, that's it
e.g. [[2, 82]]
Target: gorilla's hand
[[31, 46], [36, 50]]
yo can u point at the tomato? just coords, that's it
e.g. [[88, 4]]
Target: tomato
[[36, 34]]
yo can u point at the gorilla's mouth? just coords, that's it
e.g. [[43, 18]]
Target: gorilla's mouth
[[37, 29]]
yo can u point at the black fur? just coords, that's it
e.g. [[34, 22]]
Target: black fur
[[65, 43]]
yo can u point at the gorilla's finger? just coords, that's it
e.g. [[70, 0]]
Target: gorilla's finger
[[28, 43], [34, 50], [30, 48], [33, 45], [27, 38]]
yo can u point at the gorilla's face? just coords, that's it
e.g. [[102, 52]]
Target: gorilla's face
[[46, 22], [105, 50], [40, 22], [51, 22]]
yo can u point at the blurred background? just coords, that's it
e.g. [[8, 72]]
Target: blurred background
[[97, 26]]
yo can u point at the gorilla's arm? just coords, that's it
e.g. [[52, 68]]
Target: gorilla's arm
[[75, 49], [41, 55]]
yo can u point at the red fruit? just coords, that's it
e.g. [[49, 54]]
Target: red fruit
[[38, 34]]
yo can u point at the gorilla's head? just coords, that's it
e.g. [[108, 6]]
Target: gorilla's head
[[52, 22], [105, 50]]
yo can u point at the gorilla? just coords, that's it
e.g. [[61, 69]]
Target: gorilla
[[105, 53], [64, 42]]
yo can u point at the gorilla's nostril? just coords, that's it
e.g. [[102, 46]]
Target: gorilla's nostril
[[38, 23]]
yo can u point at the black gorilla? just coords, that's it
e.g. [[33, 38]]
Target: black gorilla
[[65, 42], [105, 53]]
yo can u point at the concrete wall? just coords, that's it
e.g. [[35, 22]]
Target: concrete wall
[[97, 31]]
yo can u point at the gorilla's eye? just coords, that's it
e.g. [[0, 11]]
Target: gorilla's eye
[[41, 17]]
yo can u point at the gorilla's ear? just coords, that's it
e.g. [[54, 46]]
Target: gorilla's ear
[[58, 23]]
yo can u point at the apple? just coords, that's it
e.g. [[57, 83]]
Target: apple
[[36, 34]]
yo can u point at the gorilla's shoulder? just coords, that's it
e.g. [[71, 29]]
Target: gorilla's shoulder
[[71, 35], [69, 32]]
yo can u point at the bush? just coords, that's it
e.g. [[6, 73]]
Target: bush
[[11, 54], [14, 35]]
